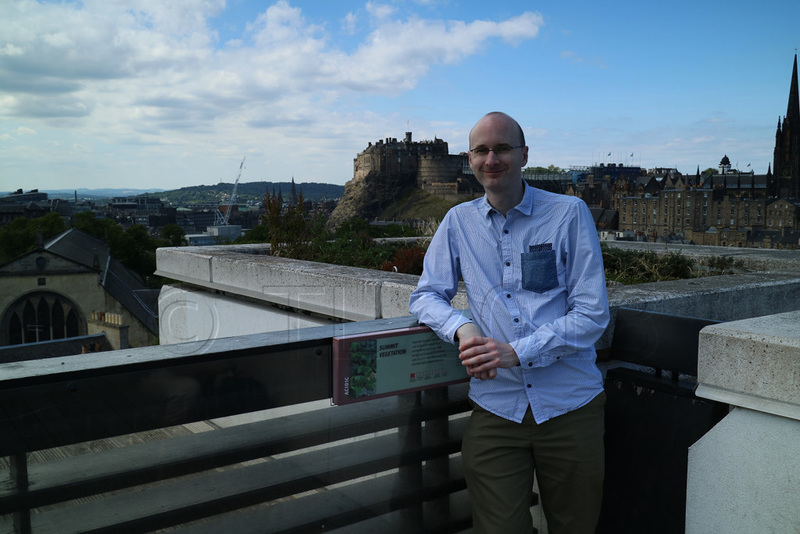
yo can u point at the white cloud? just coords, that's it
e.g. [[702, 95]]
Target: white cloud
[[398, 53], [22, 130], [379, 12], [11, 50], [77, 147], [703, 139], [349, 23], [147, 78], [161, 56], [574, 58]]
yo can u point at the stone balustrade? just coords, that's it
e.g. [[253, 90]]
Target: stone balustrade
[[744, 475]]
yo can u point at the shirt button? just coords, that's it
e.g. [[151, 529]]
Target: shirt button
[[516, 319], [508, 295], [508, 263], [505, 231], [530, 364], [529, 385]]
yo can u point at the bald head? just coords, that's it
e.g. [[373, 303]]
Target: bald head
[[499, 115]]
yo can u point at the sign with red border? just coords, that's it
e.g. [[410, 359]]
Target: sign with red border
[[380, 364]]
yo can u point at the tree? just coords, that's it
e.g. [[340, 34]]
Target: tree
[[104, 229], [290, 234], [19, 237], [550, 169], [133, 247], [136, 249], [174, 234], [258, 234]]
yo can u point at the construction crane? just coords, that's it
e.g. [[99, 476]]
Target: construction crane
[[221, 219]]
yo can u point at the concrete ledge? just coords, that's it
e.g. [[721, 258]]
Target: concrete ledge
[[753, 363], [352, 294], [335, 291], [184, 262]]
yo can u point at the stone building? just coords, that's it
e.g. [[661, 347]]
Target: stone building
[[70, 286], [732, 208]]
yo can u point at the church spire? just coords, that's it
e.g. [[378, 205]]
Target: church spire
[[793, 109]]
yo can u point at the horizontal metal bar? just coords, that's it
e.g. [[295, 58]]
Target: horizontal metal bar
[[60, 401]]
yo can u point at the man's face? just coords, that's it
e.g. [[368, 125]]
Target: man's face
[[496, 156]]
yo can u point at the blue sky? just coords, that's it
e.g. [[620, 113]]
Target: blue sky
[[152, 94]]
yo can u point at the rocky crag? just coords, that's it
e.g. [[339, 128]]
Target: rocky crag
[[389, 169], [369, 195]]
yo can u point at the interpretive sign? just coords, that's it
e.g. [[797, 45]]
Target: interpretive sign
[[368, 366]]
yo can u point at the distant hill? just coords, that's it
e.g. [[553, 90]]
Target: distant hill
[[201, 194], [93, 194], [205, 194]]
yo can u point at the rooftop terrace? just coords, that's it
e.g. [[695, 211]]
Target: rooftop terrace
[[227, 426]]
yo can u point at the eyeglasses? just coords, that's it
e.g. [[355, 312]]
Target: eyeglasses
[[499, 150]]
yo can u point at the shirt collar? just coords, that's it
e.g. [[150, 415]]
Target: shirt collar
[[525, 205]]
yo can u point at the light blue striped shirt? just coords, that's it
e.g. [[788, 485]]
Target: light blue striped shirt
[[534, 279]]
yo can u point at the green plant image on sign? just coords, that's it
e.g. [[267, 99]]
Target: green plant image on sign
[[363, 367]]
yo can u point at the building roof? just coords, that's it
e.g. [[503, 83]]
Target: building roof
[[602, 216], [737, 180], [123, 284], [80, 248]]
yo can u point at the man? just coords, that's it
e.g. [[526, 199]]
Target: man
[[533, 271]]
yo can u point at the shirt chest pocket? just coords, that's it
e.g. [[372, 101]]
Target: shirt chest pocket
[[539, 271]]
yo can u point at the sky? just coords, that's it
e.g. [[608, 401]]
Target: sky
[[149, 94]]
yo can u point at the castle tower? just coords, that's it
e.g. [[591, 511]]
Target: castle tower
[[786, 161]]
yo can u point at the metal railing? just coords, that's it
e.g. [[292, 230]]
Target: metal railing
[[141, 440], [388, 463]]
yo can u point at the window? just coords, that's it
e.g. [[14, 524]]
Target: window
[[41, 316]]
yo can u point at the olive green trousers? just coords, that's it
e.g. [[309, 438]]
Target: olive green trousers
[[567, 455]]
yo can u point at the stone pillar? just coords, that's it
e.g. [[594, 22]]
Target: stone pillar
[[744, 475]]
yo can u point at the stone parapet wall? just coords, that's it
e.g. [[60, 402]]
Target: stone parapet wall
[[324, 292], [744, 474]]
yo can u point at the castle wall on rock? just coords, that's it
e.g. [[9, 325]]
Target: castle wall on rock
[[445, 177], [440, 169], [436, 171], [392, 157]]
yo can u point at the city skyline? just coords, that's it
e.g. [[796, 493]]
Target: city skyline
[[94, 94]]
